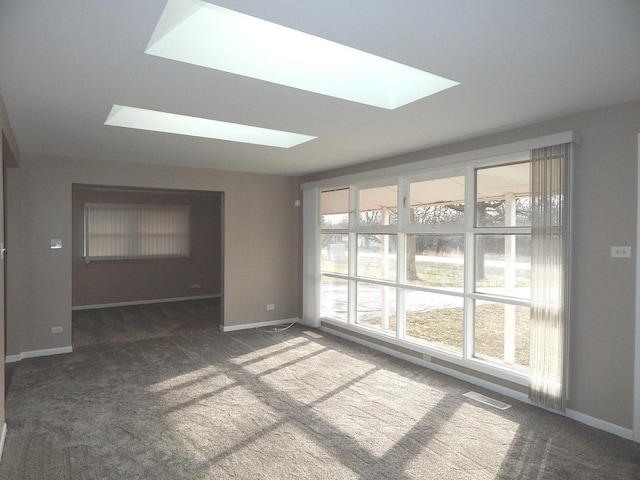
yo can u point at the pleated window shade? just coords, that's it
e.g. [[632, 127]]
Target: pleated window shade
[[119, 231]]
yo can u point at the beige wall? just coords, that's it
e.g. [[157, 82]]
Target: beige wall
[[260, 240], [602, 345], [99, 283]]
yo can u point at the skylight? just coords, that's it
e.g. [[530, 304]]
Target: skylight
[[200, 33], [140, 118]]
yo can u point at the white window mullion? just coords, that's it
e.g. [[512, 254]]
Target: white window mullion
[[469, 262], [403, 222], [469, 304], [400, 280], [403, 204], [352, 288], [353, 260]]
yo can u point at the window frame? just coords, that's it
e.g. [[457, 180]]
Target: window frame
[[402, 175], [401, 229]]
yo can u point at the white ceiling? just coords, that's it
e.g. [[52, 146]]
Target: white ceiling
[[64, 63]]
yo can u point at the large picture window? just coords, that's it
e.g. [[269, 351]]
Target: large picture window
[[118, 231], [441, 262]]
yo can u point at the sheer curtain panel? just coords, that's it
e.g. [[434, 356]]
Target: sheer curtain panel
[[549, 275]]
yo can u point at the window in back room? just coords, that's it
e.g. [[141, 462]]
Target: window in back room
[[118, 231]]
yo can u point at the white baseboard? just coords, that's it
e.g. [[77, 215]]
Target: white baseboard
[[247, 326], [3, 436], [143, 302], [572, 414], [38, 353], [600, 424]]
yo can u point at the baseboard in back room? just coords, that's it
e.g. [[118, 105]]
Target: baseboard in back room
[[143, 302]]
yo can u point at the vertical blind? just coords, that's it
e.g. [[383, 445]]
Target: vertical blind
[[119, 231], [549, 181]]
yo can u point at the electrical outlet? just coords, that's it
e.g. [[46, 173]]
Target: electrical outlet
[[271, 306], [56, 329], [620, 252]]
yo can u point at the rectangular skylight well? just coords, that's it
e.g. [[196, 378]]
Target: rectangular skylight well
[[200, 33], [140, 118]]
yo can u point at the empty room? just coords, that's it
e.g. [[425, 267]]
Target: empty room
[[327, 240]]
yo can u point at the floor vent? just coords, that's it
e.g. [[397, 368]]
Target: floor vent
[[486, 400], [312, 334]]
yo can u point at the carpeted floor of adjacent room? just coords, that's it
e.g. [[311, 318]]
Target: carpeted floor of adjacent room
[[159, 392]]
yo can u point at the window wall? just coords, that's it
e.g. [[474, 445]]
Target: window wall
[[436, 261]]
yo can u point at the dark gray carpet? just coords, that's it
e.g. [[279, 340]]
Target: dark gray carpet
[[160, 393]]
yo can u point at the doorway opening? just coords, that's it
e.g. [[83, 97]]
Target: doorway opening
[[132, 268]]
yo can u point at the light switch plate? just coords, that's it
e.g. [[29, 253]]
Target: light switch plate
[[620, 252]]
